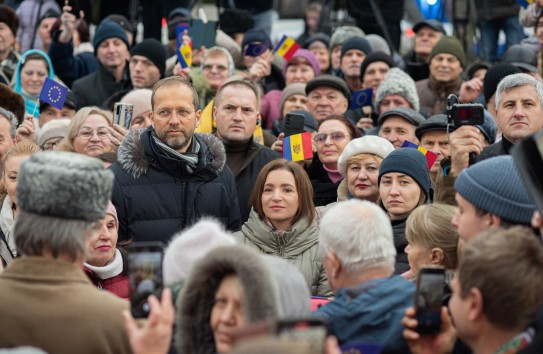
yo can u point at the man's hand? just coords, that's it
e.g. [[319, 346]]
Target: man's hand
[[262, 67], [26, 130], [470, 90], [68, 23], [464, 140], [442, 343], [156, 334]]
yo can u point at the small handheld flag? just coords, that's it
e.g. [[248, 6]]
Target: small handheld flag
[[525, 3], [286, 47], [361, 98], [184, 55], [297, 147], [53, 93], [430, 156], [256, 49], [360, 348]]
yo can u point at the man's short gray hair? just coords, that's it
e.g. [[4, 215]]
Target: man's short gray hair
[[13, 122], [517, 80], [359, 233]]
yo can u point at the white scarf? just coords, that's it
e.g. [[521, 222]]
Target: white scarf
[[7, 222], [109, 270]]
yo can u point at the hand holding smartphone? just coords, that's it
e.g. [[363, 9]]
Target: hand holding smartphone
[[122, 114]]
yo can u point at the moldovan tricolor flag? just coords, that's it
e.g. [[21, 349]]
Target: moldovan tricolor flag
[[184, 55], [286, 47], [297, 147], [430, 156]]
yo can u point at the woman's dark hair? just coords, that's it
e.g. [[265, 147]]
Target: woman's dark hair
[[353, 131]]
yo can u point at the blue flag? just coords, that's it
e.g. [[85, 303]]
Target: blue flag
[[361, 98], [359, 348], [53, 93], [256, 49], [525, 3]]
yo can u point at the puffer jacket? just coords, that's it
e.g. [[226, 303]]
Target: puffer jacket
[[299, 246], [194, 334], [155, 196]]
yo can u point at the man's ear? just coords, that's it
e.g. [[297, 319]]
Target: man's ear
[[476, 304], [198, 114], [335, 264], [495, 220]]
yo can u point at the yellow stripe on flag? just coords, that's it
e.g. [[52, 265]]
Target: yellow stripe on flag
[[423, 150], [296, 147], [287, 44]]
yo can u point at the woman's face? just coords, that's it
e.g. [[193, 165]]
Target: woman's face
[[293, 103], [330, 145], [399, 193], [323, 56], [215, 70], [418, 256], [374, 75], [362, 178], [280, 199], [101, 246], [11, 169], [93, 137], [33, 74], [299, 73], [227, 313]]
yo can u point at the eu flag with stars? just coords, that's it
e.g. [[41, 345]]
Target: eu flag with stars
[[53, 93], [361, 98], [256, 49]]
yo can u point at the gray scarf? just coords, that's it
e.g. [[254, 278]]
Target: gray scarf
[[190, 157]]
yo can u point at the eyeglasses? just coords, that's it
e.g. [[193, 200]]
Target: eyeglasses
[[86, 134], [220, 68], [51, 144], [335, 136], [167, 112]]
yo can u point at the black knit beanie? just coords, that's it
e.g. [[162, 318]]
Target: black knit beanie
[[359, 43], [494, 75], [109, 29], [152, 50], [372, 58], [10, 18], [410, 161]]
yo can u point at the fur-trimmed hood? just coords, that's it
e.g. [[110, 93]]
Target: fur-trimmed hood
[[194, 334], [134, 156]]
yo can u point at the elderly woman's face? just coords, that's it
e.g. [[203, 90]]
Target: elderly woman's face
[[331, 139], [362, 174], [33, 75], [11, 169], [101, 246], [93, 136], [215, 70], [227, 314], [293, 103], [299, 73], [399, 193]]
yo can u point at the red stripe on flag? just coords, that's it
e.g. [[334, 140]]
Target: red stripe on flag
[[306, 145], [291, 51]]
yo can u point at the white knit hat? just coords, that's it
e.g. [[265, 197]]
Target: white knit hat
[[369, 144], [190, 245], [397, 82]]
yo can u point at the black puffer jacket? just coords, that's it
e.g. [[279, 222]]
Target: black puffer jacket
[[156, 197]]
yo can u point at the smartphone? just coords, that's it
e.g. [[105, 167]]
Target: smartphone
[[144, 275], [429, 299], [122, 114], [312, 331], [294, 124]]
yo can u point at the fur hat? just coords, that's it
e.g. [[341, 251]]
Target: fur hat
[[232, 21], [13, 102], [153, 50], [397, 82], [70, 186], [495, 186], [189, 245], [307, 55], [141, 99], [108, 29], [296, 88], [341, 34], [449, 45], [412, 116], [56, 128], [410, 161], [375, 57], [369, 144], [494, 75], [10, 18], [358, 43]]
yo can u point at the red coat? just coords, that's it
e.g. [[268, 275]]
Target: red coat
[[118, 284]]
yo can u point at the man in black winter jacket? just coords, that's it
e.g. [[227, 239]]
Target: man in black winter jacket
[[167, 177]]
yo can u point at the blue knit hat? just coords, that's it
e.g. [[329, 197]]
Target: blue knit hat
[[410, 161], [106, 30], [495, 186]]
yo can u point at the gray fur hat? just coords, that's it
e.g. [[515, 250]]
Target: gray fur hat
[[397, 82], [64, 185]]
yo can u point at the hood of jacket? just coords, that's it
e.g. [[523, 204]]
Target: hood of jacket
[[135, 158], [297, 240], [194, 333]]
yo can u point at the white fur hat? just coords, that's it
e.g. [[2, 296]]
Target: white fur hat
[[191, 244], [369, 144]]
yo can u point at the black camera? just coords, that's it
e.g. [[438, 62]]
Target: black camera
[[464, 114]]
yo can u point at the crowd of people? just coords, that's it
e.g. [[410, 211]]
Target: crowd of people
[[251, 239]]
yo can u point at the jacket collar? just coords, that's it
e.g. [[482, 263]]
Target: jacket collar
[[41, 269]]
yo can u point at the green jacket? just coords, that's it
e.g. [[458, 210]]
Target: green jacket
[[299, 246]]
